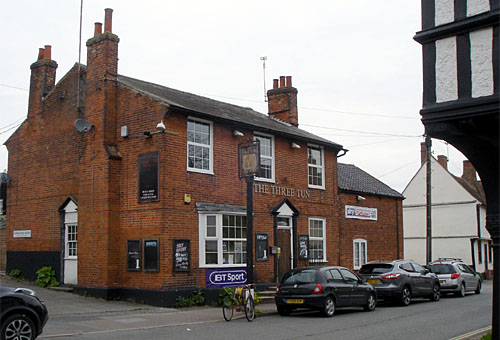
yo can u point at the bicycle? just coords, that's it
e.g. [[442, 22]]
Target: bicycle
[[242, 301]]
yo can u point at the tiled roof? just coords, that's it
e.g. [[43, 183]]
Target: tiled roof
[[353, 179], [243, 116]]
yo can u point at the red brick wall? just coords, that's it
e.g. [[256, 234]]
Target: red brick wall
[[384, 237]]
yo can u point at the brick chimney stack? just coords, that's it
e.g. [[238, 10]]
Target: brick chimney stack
[[423, 153], [43, 79], [282, 101], [443, 160], [469, 173]]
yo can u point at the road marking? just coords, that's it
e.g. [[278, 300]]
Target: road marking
[[476, 332]]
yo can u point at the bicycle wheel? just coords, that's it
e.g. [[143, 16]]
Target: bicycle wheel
[[249, 308], [228, 308]]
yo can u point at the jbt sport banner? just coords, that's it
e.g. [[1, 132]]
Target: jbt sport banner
[[361, 213], [226, 277]]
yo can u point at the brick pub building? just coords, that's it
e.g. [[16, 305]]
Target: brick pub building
[[143, 199]]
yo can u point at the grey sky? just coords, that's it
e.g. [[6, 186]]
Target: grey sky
[[354, 63]]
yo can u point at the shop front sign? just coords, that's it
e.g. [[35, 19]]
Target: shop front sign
[[225, 277], [361, 213]]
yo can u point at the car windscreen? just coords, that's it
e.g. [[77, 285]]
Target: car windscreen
[[376, 268], [302, 276], [442, 268]]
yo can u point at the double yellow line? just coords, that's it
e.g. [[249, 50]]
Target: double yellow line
[[468, 335]]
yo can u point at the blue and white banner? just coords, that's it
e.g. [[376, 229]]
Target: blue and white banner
[[361, 213]]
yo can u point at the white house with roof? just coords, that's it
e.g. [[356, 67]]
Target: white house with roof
[[458, 216]]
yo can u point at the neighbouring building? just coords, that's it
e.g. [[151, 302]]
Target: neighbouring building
[[458, 216], [128, 188], [461, 97], [371, 218]]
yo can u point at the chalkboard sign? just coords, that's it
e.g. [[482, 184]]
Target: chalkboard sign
[[303, 247], [134, 255], [148, 177], [261, 245], [151, 258], [181, 255]]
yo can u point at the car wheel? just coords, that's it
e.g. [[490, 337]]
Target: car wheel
[[371, 303], [284, 311], [478, 289], [461, 292], [406, 296], [436, 293], [329, 307], [18, 326]]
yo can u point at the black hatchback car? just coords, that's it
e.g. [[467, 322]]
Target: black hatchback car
[[23, 315], [401, 280], [323, 288]]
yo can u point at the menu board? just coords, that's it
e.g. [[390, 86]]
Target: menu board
[[151, 258], [181, 255], [134, 255], [261, 245], [148, 177], [303, 247]]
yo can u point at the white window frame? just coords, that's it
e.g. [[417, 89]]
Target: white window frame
[[67, 241], [322, 167], [323, 238], [359, 253], [271, 137], [210, 171], [202, 223]]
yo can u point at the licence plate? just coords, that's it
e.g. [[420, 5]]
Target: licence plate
[[373, 281], [294, 301]]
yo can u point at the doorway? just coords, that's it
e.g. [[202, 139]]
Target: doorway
[[284, 236], [70, 244]]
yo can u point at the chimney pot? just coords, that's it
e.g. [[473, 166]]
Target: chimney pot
[[97, 29], [275, 83], [108, 20], [41, 53], [282, 81], [48, 52], [289, 81]]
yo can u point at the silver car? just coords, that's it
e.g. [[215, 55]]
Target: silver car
[[455, 276]]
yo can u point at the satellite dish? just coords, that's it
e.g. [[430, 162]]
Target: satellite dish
[[82, 125]]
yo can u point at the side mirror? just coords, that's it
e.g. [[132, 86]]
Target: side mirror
[[426, 271]]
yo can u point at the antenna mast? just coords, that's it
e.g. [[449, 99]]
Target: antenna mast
[[264, 69], [78, 104]]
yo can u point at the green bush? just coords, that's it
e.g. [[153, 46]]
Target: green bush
[[15, 273], [196, 299], [226, 291], [46, 277], [486, 337]]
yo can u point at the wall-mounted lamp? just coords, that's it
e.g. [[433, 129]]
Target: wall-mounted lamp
[[294, 146], [237, 133], [161, 128], [360, 198]]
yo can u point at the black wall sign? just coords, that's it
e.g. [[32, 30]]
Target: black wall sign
[[261, 245], [134, 255], [181, 255], [151, 255], [148, 177], [303, 247]]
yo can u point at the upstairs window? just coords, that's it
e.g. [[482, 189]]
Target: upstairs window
[[315, 164], [199, 146], [266, 157]]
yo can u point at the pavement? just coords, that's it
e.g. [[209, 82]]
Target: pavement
[[71, 314]]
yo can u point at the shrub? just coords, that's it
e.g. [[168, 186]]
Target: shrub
[[196, 299], [15, 273], [46, 277]]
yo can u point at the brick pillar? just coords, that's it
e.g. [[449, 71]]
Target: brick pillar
[[282, 101], [43, 79]]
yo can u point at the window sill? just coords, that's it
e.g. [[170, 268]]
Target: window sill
[[267, 180], [316, 187], [200, 171]]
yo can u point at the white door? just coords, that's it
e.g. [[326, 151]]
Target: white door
[[71, 244]]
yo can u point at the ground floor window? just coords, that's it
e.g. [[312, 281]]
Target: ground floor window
[[317, 252], [359, 253], [71, 241], [223, 240]]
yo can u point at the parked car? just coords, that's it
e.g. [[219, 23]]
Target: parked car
[[401, 280], [324, 289], [455, 276], [23, 315]]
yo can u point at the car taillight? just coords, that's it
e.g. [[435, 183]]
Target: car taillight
[[391, 276], [455, 276], [318, 289], [278, 289]]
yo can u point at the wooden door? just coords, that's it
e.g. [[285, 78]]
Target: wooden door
[[285, 256]]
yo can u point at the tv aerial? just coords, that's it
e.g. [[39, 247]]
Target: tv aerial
[[82, 125]]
